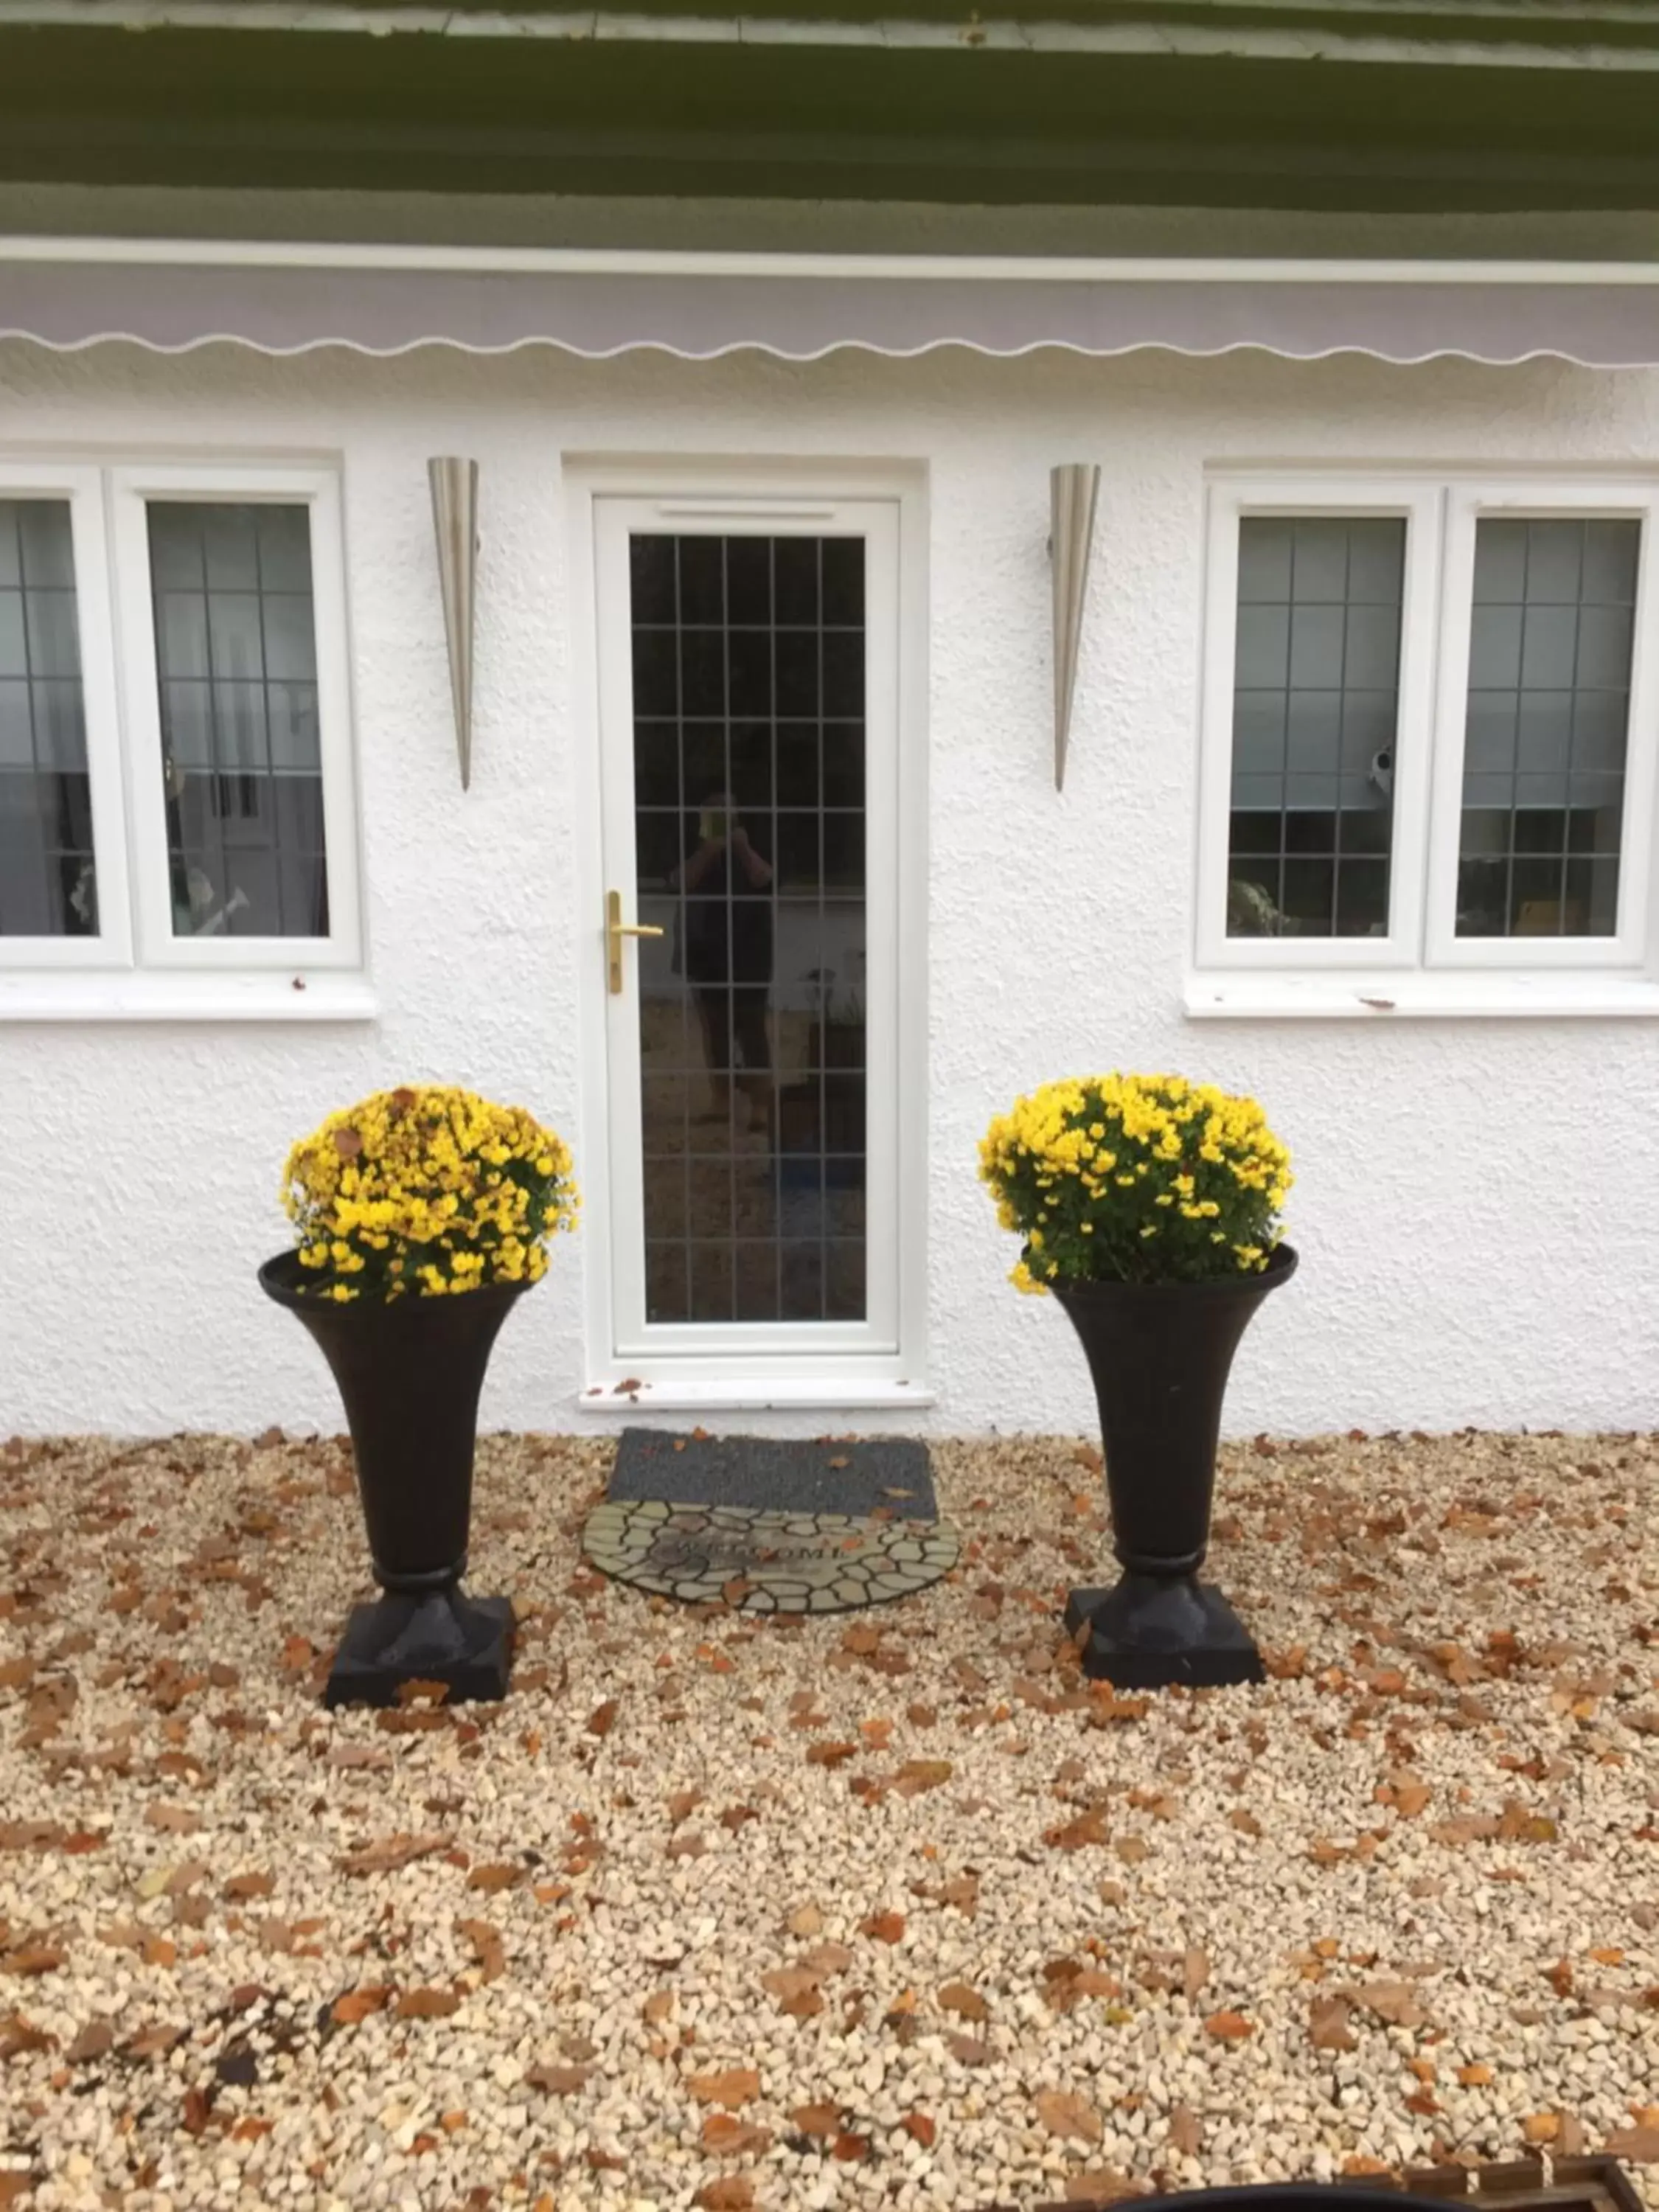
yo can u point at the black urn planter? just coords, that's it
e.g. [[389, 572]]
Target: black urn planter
[[410, 1373], [1160, 1354]]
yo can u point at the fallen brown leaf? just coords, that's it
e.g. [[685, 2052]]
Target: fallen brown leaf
[[818, 2120], [357, 2005], [94, 2039], [1394, 2003], [733, 2138], [152, 2041], [734, 2088], [1101, 2185], [492, 1880], [726, 2192], [388, 1853], [32, 1959], [19, 2035], [830, 1754], [919, 1774], [884, 1926], [1064, 2113], [427, 2004], [796, 1989], [1186, 2135], [486, 1946], [826, 1959], [1074, 1835], [1228, 2026], [250, 1885], [964, 2001]]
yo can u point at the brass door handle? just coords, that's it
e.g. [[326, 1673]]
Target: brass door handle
[[615, 930]]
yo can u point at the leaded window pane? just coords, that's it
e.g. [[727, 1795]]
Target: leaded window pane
[[1547, 726], [48, 876], [236, 651], [1315, 702]]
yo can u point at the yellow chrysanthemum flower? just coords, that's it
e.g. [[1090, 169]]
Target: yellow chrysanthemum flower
[[1137, 1178], [474, 1188]]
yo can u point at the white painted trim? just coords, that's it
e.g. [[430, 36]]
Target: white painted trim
[[1061, 32], [1230, 498], [608, 497], [81, 488], [604, 1401], [895, 268], [86, 995], [1545, 497], [130, 488], [1470, 994]]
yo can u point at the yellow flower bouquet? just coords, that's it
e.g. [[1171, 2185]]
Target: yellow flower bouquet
[[1136, 1179], [428, 1191]]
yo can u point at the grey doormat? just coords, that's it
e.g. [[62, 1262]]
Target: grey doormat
[[772, 1474], [767, 1525]]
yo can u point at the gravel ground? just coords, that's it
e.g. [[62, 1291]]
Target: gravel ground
[[887, 1910]]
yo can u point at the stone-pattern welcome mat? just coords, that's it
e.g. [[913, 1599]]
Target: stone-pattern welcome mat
[[770, 1526]]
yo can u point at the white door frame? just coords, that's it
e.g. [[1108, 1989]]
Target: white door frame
[[878, 1361]]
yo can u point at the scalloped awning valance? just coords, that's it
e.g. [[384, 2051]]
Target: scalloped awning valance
[[69, 294]]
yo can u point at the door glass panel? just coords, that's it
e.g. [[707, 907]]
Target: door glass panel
[[748, 757]]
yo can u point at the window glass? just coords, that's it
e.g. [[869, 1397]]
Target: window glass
[[48, 883], [1315, 701], [1547, 727], [235, 647]]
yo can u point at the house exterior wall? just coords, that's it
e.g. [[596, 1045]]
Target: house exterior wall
[[1472, 1209]]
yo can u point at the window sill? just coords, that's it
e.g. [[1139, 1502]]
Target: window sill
[[69, 995], [802, 1396], [1467, 995]]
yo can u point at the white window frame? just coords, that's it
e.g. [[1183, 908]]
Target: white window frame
[[1421, 965], [137, 968], [82, 490], [879, 1361], [130, 491], [1630, 946]]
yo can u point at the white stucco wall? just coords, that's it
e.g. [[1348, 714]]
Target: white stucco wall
[[1474, 1203]]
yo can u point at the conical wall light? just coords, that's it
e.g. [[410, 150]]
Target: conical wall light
[[455, 522], [1074, 489]]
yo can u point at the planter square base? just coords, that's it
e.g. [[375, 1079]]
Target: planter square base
[[1147, 1633], [464, 1643]]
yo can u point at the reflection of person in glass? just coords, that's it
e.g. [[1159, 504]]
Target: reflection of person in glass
[[727, 946]]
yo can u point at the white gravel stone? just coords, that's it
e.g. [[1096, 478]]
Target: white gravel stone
[[1466, 1617]]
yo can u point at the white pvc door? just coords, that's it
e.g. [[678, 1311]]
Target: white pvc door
[[748, 694]]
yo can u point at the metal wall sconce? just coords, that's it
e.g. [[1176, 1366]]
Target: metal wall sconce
[[1073, 489], [455, 523]]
